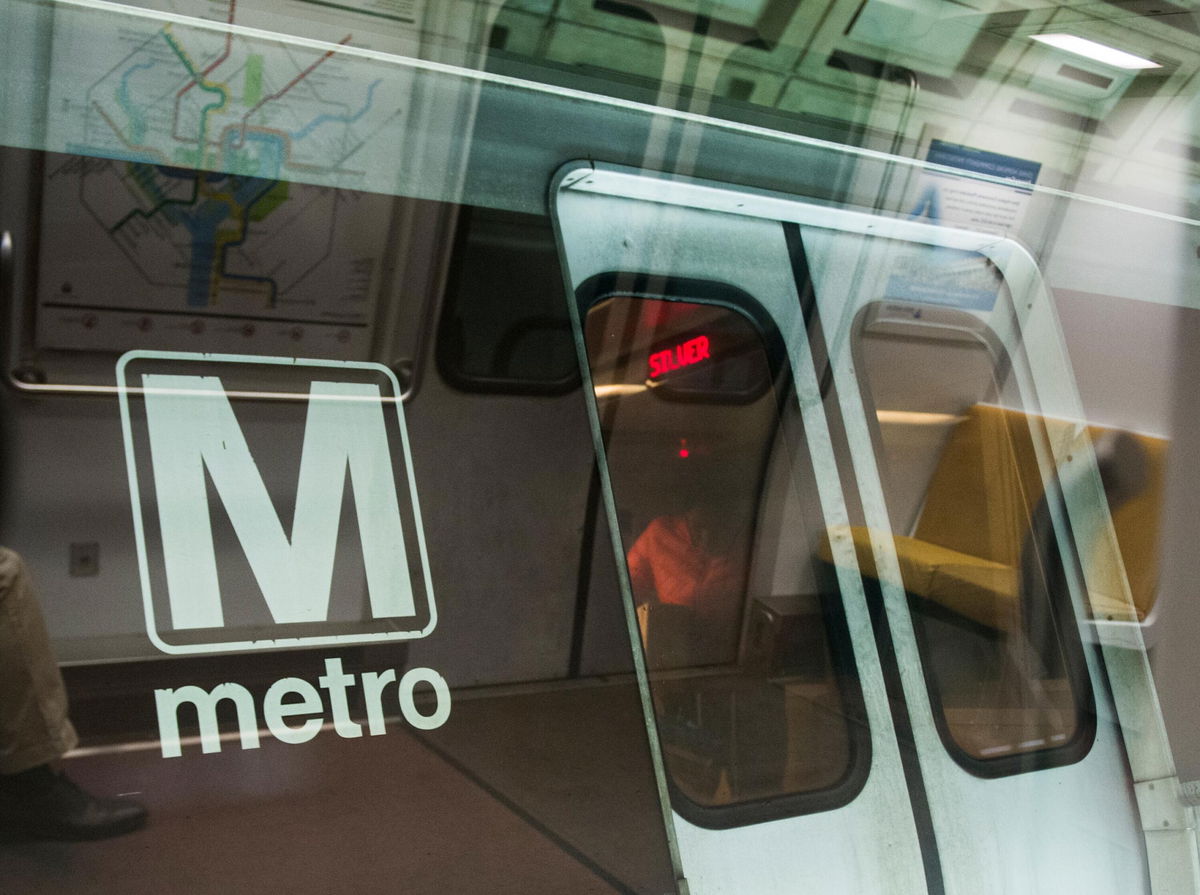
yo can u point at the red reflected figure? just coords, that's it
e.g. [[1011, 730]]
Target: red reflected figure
[[694, 560]]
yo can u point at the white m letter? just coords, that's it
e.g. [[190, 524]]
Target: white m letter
[[192, 426]]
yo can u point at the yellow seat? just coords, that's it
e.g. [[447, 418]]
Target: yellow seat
[[966, 549], [978, 589]]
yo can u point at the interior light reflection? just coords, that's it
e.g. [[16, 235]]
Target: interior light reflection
[[1099, 52], [916, 418], [620, 388]]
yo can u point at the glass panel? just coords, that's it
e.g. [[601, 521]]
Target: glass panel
[[281, 592], [284, 178], [614, 46], [959, 450], [504, 326], [754, 694]]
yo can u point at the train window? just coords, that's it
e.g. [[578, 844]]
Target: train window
[[699, 353], [504, 327], [978, 557], [754, 690]]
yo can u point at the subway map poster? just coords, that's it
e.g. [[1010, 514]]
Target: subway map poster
[[216, 177]]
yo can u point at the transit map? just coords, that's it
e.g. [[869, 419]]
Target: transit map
[[213, 173]]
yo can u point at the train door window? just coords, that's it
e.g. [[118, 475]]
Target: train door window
[[978, 559], [755, 695], [503, 327]]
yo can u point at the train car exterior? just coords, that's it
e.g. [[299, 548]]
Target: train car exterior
[[657, 446]]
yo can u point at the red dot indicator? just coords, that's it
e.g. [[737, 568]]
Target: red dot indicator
[[683, 448]]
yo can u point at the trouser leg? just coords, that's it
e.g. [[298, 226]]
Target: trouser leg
[[34, 728]]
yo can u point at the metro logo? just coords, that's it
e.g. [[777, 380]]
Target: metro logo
[[277, 710], [188, 437], [185, 444]]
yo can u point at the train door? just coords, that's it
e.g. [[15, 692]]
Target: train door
[[789, 403]]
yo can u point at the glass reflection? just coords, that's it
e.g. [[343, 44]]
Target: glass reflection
[[752, 700], [963, 463]]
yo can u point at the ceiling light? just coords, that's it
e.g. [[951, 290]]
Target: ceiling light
[[1082, 47]]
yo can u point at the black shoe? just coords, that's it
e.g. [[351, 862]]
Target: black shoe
[[47, 805]]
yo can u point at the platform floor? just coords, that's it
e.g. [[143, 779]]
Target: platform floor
[[526, 790]]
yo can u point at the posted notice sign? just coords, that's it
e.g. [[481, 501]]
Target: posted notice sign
[[980, 205]]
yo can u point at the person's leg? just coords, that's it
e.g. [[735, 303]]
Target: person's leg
[[35, 730]]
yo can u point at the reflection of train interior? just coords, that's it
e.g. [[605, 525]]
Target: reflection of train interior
[[691, 399], [986, 589], [604, 445]]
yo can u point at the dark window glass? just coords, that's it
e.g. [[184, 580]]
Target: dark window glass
[[970, 504], [757, 703], [504, 325]]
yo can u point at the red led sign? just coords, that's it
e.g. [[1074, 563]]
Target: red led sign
[[693, 351]]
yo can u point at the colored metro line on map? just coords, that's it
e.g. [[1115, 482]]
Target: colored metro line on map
[[208, 147]]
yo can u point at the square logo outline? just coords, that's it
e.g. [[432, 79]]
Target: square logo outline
[[139, 523]]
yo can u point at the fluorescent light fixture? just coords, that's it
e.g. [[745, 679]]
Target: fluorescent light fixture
[[1090, 49]]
